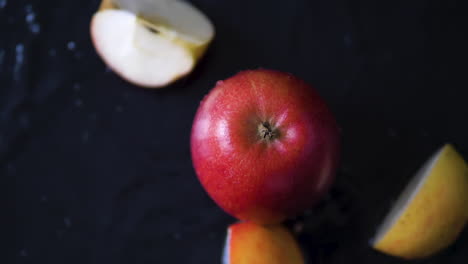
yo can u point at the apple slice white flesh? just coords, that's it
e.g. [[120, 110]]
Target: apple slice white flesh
[[151, 45]]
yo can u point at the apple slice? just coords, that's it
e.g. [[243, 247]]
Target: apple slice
[[248, 243], [150, 43], [431, 211]]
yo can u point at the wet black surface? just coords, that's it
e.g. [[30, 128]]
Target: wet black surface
[[95, 170]]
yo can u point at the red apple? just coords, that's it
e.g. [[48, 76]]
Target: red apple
[[264, 145]]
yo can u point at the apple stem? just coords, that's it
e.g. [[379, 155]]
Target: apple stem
[[266, 132]]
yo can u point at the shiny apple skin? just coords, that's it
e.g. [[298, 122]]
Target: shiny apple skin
[[247, 173]]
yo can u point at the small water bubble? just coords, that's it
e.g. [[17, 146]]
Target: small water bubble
[[30, 17], [19, 52], [71, 45], [78, 102], [35, 28], [67, 222], [23, 253], [3, 3], [19, 60]]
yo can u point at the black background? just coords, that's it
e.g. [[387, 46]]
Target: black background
[[96, 170]]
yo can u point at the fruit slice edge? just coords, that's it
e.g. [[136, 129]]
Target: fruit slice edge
[[406, 197], [186, 20]]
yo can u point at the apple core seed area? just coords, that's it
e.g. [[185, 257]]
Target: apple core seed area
[[267, 132]]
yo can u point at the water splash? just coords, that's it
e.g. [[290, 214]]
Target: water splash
[[19, 61]]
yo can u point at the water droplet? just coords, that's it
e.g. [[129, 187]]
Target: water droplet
[[78, 102], [30, 17], [23, 253], [31, 20], [3, 3], [19, 60], [35, 28], [71, 45], [67, 222]]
